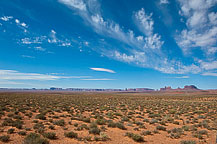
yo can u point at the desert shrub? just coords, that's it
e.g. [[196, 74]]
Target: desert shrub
[[103, 136], [28, 129], [100, 121], [38, 126], [176, 122], [75, 124], [153, 121], [93, 125], [50, 135], [111, 124], [87, 120], [5, 138], [185, 128], [40, 116], [83, 126], [121, 126], [34, 138], [146, 133], [94, 130], [71, 134], [11, 130], [187, 142], [51, 127], [161, 128], [156, 131], [135, 137], [59, 122], [18, 124], [103, 128], [35, 121], [176, 133], [203, 132], [22, 133], [96, 138], [198, 135], [125, 119], [87, 138]]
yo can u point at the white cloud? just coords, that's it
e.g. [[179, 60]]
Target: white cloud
[[15, 75], [86, 43], [201, 25], [39, 48], [53, 37], [145, 23], [20, 24], [27, 56], [6, 82], [23, 25], [17, 21], [102, 79], [182, 77], [208, 65], [137, 57], [164, 2], [6, 18], [103, 70], [77, 4], [209, 74], [146, 50], [33, 40]]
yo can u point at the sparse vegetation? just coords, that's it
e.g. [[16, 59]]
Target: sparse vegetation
[[89, 117]]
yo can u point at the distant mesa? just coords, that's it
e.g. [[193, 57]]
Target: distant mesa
[[186, 88], [139, 90]]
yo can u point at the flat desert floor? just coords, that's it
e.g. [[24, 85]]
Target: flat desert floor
[[113, 118]]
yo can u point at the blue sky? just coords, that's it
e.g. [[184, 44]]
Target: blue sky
[[108, 43]]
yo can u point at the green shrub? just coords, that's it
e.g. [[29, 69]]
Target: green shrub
[[5, 138], [40, 116], [10, 131], [22, 133], [101, 121], [161, 128], [120, 126], [187, 142], [146, 133], [135, 137], [51, 127], [50, 135], [94, 130], [111, 124], [38, 126], [59, 122], [34, 138], [104, 136], [71, 134]]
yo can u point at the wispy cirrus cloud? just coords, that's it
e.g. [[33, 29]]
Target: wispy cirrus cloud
[[103, 70], [15, 75], [209, 74], [182, 77], [142, 48], [27, 56], [101, 79]]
